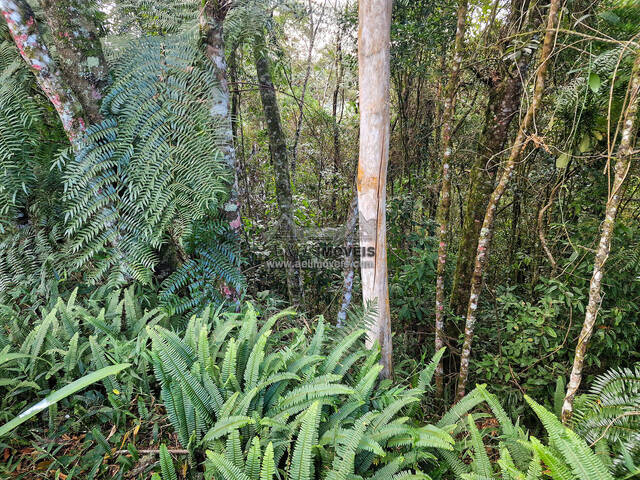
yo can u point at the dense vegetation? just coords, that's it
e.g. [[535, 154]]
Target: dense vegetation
[[319, 239]]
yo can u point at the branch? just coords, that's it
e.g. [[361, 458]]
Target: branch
[[24, 31]]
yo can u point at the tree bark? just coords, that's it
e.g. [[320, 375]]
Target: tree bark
[[505, 90], [27, 37], [374, 71], [349, 259], [211, 23], [336, 120], [445, 188], [486, 233], [280, 161], [623, 164], [82, 62]]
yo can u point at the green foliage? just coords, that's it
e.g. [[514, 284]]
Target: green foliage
[[30, 140], [55, 397], [231, 390], [72, 339], [566, 456], [608, 417], [147, 174], [139, 200]]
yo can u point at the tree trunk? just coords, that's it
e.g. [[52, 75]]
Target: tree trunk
[[505, 90], [313, 30], [486, 233], [24, 31], [445, 189], [504, 99], [373, 61], [280, 161], [623, 164], [336, 121], [211, 22], [77, 44], [349, 259]]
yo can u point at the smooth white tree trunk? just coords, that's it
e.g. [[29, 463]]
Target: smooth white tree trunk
[[373, 61]]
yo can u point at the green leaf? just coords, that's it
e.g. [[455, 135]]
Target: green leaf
[[562, 161], [227, 425], [585, 143], [268, 465], [302, 462], [64, 392], [594, 82], [166, 464]]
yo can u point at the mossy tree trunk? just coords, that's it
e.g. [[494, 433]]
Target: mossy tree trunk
[[504, 85], [486, 233], [281, 170], [374, 71], [211, 28], [621, 169]]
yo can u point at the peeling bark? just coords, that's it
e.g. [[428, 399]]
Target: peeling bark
[[211, 27], [349, 266], [623, 164], [445, 189], [24, 31], [79, 52], [280, 162], [374, 71], [486, 233]]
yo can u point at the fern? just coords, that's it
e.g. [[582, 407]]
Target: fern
[[149, 172], [268, 395]]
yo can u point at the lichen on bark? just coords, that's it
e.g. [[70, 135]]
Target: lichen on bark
[[28, 39], [445, 188], [79, 52], [621, 169], [486, 232]]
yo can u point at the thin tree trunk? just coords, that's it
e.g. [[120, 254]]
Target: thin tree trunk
[[373, 61], [349, 259], [313, 30], [280, 161], [445, 189], [541, 233], [505, 89], [211, 23], [336, 121], [486, 232], [623, 164], [26, 35], [75, 36]]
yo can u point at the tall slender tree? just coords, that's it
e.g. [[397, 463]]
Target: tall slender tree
[[348, 273], [621, 169], [281, 170], [212, 17], [486, 233], [445, 188], [374, 70]]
